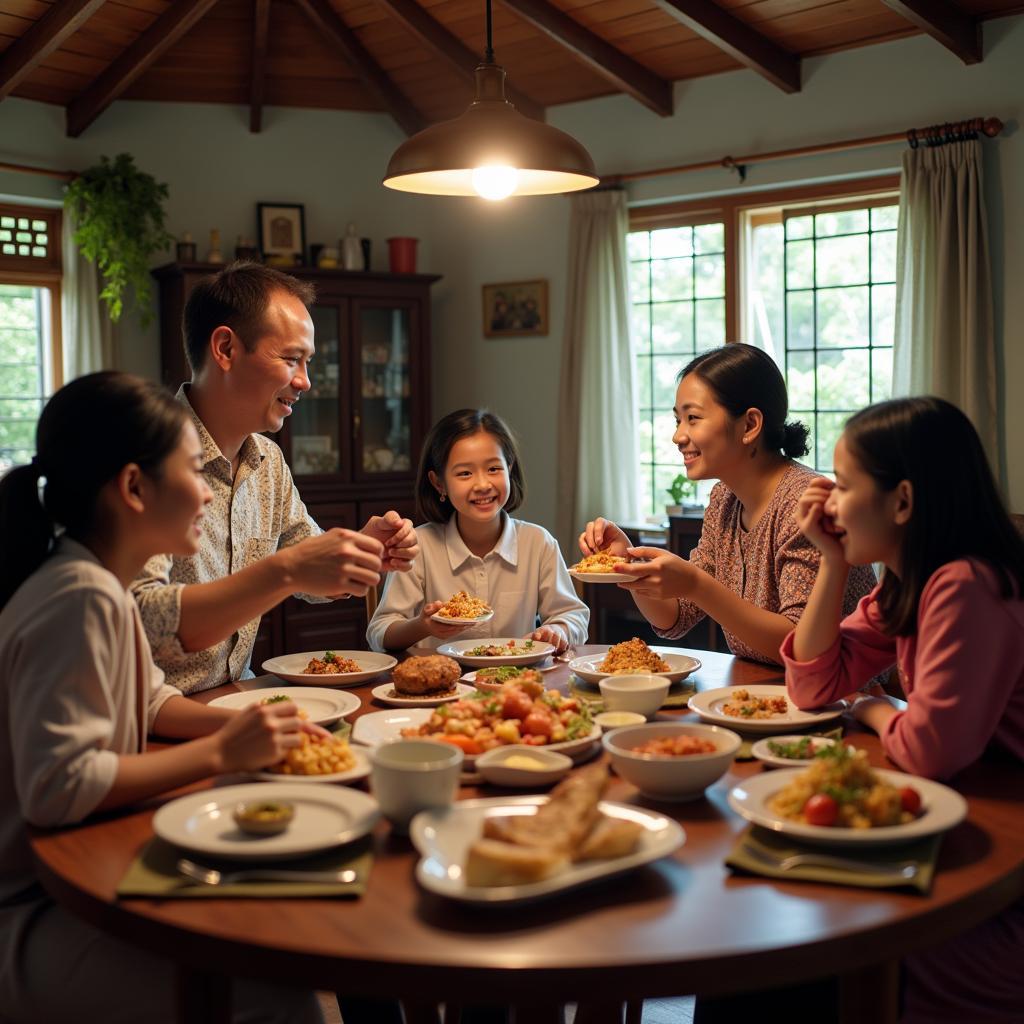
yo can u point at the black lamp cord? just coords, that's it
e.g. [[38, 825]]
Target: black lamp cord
[[489, 54]]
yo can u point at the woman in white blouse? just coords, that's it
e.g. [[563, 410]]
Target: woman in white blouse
[[470, 477], [120, 461]]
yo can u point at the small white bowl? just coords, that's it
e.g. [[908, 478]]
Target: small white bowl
[[494, 766], [662, 777], [642, 694], [609, 720]]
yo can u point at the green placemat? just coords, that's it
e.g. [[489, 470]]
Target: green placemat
[[341, 729], [154, 873], [757, 847], [678, 695]]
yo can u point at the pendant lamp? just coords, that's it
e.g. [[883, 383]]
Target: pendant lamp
[[492, 150]]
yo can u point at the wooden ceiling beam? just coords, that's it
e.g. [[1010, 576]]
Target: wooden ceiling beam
[[156, 40], [30, 49], [328, 22], [450, 48], [628, 75], [944, 21], [258, 81], [737, 39]]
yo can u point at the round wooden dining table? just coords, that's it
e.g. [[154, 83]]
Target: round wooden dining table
[[685, 924]]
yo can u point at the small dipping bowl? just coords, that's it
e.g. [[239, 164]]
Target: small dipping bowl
[[663, 777], [508, 766], [263, 817], [609, 720], [642, 694]]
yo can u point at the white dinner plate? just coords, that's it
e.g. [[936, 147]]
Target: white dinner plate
[[602, 577], [457, 649], [680, 666], [763, 753], [486, 617], [291, 668], [443, 837], [325, 816], [942, 809], [324, 707], [379, 727], [709, 706], [387, 694], [358, 771], [495, 687]]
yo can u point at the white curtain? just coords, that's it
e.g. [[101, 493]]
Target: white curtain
[[945, 341], [597, 432], [86, 335]]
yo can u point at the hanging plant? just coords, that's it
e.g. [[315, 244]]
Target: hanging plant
[[119, 224]]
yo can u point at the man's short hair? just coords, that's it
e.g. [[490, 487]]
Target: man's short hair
[[236, 297]]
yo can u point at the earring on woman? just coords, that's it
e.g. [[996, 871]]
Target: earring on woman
[[442, 495]]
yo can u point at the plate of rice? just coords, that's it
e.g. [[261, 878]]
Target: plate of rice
[[344, 668], [764, 708], [599, 567], [463, 609], [869, 804], [633, 657]]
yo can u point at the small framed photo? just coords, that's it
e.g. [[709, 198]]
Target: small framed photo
[[282, 229], [516, 308]]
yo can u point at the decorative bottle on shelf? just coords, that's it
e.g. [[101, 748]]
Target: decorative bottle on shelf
[[351, 249], [214, 255]]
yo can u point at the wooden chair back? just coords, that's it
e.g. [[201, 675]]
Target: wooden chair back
[[372, 598]]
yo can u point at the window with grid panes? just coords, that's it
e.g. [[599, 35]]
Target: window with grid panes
[[677, 307], [29, 324]]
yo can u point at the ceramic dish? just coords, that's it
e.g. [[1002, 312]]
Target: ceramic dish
[[358, 771], [443, 836], [325, 817], [602, 577], [379, 727], [387, 694], [761, 750], [499, 766], [709, 706], [486, 685], [680, 665], [486, 617], [457, 649], [324, 707], [290, 667], [942, 809], [609, 720]]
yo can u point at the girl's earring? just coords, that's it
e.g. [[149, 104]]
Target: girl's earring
[[443, 495]]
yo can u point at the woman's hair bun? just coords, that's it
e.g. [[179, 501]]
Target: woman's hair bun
[[794, 439]]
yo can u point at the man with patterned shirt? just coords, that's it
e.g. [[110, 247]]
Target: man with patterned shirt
[[249, 340]]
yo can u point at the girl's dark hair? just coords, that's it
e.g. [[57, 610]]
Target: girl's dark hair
[[957, 510], [743, 377], [438, 446], [88, 431]]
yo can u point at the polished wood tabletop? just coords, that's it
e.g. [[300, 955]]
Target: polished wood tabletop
[[684, 924]]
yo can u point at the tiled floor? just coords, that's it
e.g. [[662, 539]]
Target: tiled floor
[[656, 1011]]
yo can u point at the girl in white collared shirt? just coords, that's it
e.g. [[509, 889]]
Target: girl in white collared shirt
[[470, 477]]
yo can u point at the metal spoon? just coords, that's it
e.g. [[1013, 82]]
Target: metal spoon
[[905, 870], [211, 876]]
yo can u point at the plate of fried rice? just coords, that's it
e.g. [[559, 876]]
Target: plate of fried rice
[[599, 567], [765, 709], [330, 668], [868, 804], [634, 657]]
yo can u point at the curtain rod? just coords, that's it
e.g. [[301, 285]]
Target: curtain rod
[[46, 172], [932, 135]]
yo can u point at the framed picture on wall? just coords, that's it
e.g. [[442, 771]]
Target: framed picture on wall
[[515, 308], [282, 229]]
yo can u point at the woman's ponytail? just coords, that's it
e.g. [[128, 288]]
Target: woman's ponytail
[[25, 526], [794, 439]]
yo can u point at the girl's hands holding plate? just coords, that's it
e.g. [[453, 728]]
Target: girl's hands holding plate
[[554, 635], [442, 630], [660, 574]]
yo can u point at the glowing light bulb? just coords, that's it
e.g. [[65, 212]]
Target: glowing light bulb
[[495, 182]]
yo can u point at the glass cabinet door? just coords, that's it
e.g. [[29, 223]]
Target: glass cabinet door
[[315, 442], [383, 423]]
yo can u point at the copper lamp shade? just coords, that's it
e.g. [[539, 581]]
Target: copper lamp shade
[[491, 141]]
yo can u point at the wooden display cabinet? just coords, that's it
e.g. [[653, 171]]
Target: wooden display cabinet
[[353, 440]]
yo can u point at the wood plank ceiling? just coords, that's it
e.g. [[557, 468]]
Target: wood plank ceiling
[[414, 58]]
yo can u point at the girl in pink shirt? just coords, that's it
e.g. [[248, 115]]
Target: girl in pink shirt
[[949, 612]]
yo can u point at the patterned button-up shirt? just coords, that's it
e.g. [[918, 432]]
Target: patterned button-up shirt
[[250, 517]]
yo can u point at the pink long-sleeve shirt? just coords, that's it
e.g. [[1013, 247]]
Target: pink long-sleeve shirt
[[962, 671]]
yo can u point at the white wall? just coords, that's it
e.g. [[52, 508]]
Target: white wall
[[333, 163]]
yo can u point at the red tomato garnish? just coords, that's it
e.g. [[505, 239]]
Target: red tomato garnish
[[516, 704], [910, 800], [538, 724], [821, 809]]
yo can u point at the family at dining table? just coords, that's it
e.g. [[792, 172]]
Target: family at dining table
[[152, 532]]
